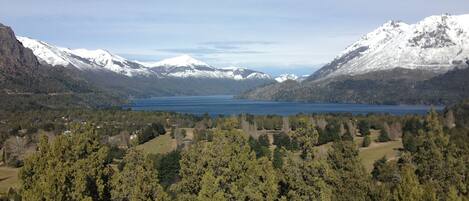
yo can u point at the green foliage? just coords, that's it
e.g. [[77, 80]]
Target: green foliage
[[137, 181], [150, 132], [386, 173], [347, 136], [411, 128], [229, 162], [203, 134], [277, 160], [438, 162], [366, 141], [225, 164], [307, 137], [383, 136], [72, 167], [349, 180], [330, 133], [285, 141], [409, 187], [305, 180], [269, 122], [260, 146], [228, 123], [364, 127], [168, 167]]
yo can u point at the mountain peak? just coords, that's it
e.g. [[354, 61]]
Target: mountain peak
[[436, 43], [181, 61]]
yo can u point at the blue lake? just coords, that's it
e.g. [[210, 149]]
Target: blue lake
[[227, 105]]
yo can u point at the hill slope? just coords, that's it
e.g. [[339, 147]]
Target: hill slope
[[423, 63], [25, 82]]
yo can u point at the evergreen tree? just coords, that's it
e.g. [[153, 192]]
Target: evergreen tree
[[230, 161], [210, 188], [349, 179], [384, 134], [307, 137], [137, 181], [377, 168], [72, 167], [277, 161], [366, 141], [364, 127], [168, 167], [409, 187], [438, 162], [305, 180]]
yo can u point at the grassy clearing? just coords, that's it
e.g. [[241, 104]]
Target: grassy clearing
[[8, 178], [370, 154], [377, 150], [160, 145]]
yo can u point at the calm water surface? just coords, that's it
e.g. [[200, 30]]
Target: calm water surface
[[226, 105]]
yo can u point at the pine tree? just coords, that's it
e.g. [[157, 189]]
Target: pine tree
[[229, 160], [305, 180], [137, 181], [210, 189], [436, 159], [349, 179], [72, 167], [277, 161], [366, 141], [409, 188], [384, 133], [308, 137]]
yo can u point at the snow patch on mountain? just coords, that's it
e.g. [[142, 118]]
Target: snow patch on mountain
[[437, 43], [284, 77], [179, 61], [83, 59], [185, 66]]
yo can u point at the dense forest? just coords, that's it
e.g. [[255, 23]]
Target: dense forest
[[115, 154]]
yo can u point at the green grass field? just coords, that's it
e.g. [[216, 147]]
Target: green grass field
[[159, 145], [8, 178], [370, 154], [377, 150]]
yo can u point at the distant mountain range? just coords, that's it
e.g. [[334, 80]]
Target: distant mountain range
[[183, 66], [396, 63], [182, 75]]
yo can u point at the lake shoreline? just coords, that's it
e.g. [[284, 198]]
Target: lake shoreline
[[215, 105]]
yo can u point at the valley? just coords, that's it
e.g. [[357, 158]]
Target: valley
[[196, 101]]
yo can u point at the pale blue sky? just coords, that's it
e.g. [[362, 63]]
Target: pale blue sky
[[275, 36]]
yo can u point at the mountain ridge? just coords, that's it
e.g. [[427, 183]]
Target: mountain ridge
[[393, 64], [183, 66], [26, 83], [437, 43]]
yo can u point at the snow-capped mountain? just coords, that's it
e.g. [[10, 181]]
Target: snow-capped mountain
[[185, 66], [101, 60], [179, 61], [285, 77], [84, 59], [437, 43]]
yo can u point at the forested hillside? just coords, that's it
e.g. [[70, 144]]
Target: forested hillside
[[391, 87]]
